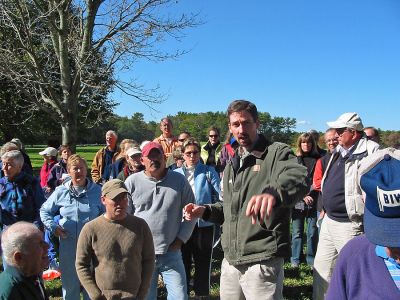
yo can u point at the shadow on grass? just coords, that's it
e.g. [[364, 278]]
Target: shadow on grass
[[297, 283]]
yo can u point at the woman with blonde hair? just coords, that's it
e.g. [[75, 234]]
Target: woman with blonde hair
[[77, 201], [305, 210]]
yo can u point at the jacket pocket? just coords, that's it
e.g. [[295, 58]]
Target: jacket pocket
[[258, 240]]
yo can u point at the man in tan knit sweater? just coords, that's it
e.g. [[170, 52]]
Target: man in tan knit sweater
[[115, 253]]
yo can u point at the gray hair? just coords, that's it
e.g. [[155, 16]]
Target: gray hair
[[18, 142], [8, 147], [112, 132], [15, 155], [17, 238]]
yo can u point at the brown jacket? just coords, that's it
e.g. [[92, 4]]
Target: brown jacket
[[98, 163]]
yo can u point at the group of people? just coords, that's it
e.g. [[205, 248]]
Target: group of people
[[152, 210]]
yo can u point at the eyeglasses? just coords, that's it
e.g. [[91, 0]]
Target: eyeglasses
[[213, 135], [181, 140], [331, 141], [190, 153], [340, 131]]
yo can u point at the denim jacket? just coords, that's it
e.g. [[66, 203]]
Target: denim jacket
[[75, 210], [206, 187]]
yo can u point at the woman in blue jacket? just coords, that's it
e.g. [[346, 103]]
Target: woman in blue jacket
[[205, 184], [77, 201]]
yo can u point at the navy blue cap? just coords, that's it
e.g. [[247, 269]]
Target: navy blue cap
[[380, 182]]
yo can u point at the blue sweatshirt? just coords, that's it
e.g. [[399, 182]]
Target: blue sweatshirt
[[206, 187], [360, 274]]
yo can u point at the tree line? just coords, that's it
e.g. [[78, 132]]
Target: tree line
[[59, 61], [40, 129]]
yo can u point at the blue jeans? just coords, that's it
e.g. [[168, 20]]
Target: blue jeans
[[299, 217], [54, 245], [172, 270]]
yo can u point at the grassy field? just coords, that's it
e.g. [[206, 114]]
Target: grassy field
[[297, 284], [87, 152]]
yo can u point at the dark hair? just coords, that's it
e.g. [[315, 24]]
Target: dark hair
[[376, 132], [62, 148], [213, 128], [315, 135], [185, 132], [242, 105], [191, 142]]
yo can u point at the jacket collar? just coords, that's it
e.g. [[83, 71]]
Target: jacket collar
[[260, 148], [358, 150], [209, 147], [259, 151], [27, 282]]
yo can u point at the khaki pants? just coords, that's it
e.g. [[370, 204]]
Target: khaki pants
[[252, 281], [333, 236]]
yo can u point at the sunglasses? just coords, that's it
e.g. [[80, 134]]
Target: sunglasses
[[181, 140], [340, 131]]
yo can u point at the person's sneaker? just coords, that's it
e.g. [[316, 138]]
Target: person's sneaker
[[295, 265]]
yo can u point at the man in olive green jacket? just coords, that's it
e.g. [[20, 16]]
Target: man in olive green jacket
[[25, 252], [260, 184]]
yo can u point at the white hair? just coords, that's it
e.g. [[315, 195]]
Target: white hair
[[17, 238], [112, 132], [8, 147], [14, 155]]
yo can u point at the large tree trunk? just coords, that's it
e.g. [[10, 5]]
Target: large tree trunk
[[69, 132]]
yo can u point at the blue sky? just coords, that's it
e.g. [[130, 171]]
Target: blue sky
[[309, 60]]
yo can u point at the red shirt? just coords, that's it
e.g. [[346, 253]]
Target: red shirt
[[44, 172]]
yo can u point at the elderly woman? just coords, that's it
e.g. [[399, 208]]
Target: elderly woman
[[205, 184], [134, 164], [77, 201], [20, 193], [27, 167], [121, 162]]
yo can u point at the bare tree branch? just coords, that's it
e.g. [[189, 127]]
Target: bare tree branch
[[64, 52]]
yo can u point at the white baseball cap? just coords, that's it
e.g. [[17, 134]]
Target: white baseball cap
[[348, 120], [49, 151]]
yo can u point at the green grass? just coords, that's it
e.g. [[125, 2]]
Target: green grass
[[297, 283], [87, 152]]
